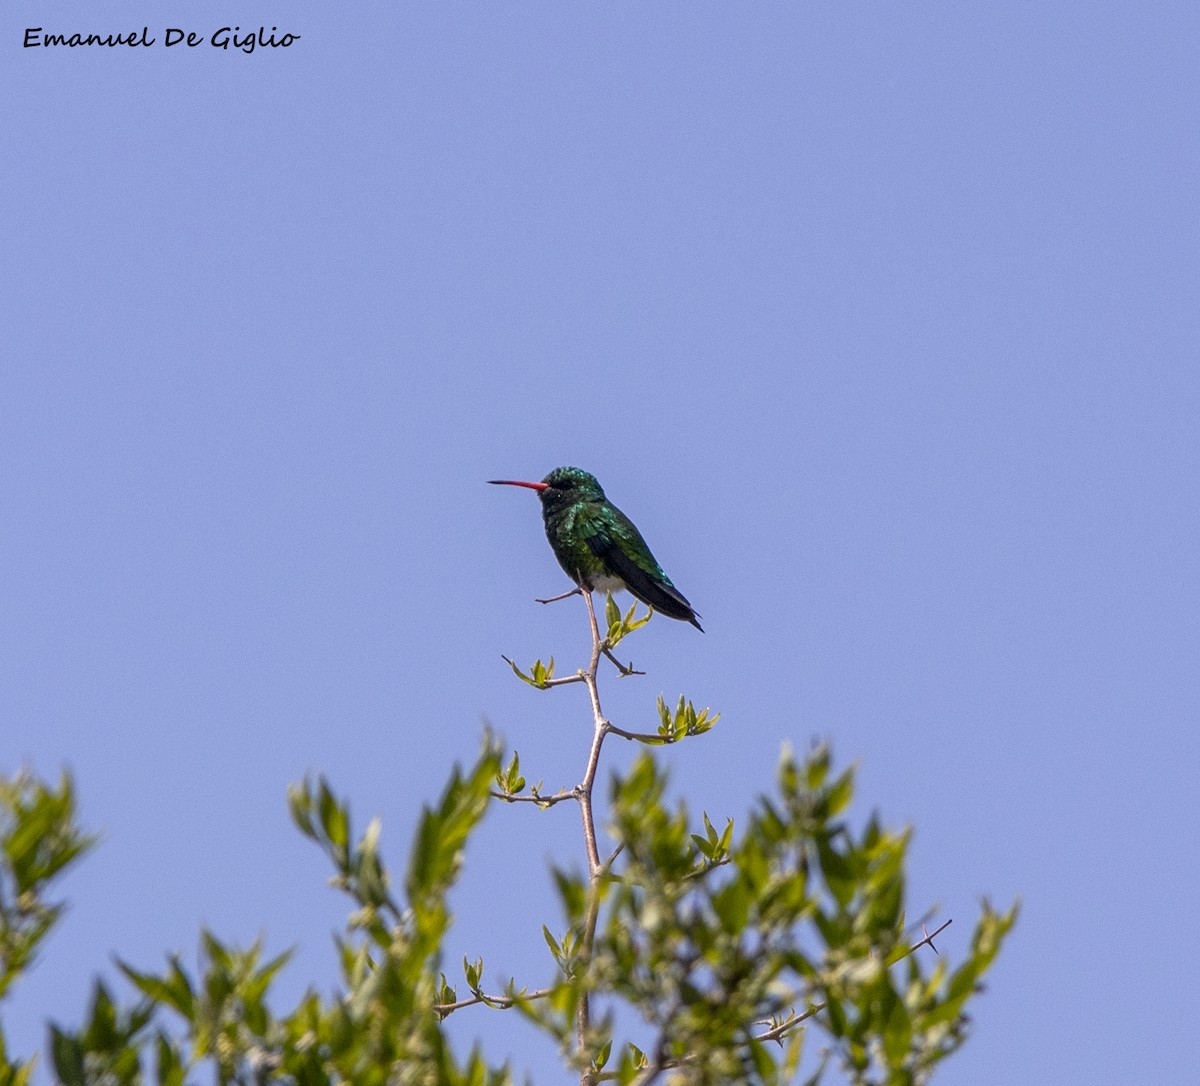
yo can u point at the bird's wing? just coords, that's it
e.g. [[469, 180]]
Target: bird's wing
[[615, 540]]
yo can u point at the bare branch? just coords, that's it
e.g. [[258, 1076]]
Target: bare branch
[[606, 867], [927, 941], [541, 801], [784, 1028], [564, 596], [712, 865], [653, 738], [545, 684], [625, 671], [500, 1003], [584, 794]]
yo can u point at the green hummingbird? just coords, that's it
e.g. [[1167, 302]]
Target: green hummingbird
[[599, 546]]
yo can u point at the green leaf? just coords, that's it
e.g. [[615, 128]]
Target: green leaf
[[510, 781], [726, 837], [840, 793], [66, 1053], [518, 672], [441, 837], [168, 1064], [793, 1045], [335, 820], [732, 905], [835, 1016], [630, 623], [573, 894], [897, 1025], [300, 807], [764, 1065], [838, 870], [612, 613], [817, 768], [174, 990]]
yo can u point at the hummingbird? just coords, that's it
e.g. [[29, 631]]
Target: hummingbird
[[599, 546]]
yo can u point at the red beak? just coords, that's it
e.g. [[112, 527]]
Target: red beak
[[516, 482]]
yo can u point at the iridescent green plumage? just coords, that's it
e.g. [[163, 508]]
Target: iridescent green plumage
[[599, 546]]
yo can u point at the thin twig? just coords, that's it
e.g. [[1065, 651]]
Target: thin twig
[[501, 1003], [641, 737], [784, 1027], [606, 867], [782, 1030], [927, 941], [776, 1033], [541, 801], [712, 865], [545, 684], [563, 596], [625, 671]]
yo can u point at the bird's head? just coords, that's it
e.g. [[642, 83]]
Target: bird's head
[[563, 486]]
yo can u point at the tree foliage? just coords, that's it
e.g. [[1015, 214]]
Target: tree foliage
[[775, 952]]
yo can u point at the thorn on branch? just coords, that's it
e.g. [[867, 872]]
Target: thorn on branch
[[928, 940]]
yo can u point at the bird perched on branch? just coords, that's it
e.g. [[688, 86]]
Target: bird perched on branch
[[599, 546]]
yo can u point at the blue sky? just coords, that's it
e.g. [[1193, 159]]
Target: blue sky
[[880, 323]]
